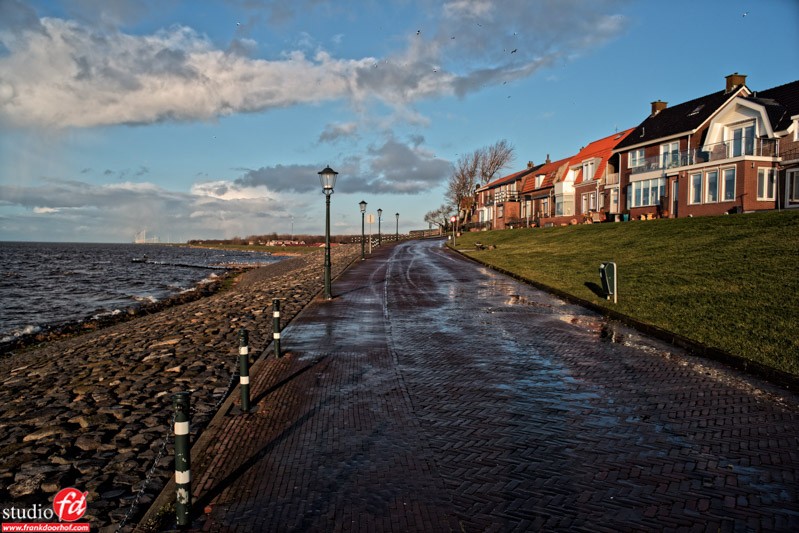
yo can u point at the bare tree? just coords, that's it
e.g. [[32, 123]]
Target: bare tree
[[494, 158], [461, 183], [439, 217]]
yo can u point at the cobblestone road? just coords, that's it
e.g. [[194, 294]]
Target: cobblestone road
[[432, 394]]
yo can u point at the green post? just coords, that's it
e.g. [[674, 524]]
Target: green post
[[276, 326], [244, 369], [182, 404]]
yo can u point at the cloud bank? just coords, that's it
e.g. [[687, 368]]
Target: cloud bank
[[59, 73]]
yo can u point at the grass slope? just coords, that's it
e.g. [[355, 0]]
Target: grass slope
[[729, 282]]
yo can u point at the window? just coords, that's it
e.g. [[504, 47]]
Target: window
[[743, 140], [696, 188], [670, 154], [500, 211], [588, 170], [729, 185], [539, 180], [648, 192], [558, 207], [765, 184], [793, 187], [636, 158], [712, 186], [589, 202], [545, 207]]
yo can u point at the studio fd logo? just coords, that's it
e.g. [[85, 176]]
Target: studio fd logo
[[69, 504]]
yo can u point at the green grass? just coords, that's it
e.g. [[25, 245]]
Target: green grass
[[729, 282]]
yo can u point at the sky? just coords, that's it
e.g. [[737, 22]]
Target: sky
[[211, 119]]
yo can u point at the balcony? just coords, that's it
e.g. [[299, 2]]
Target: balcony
[[612, 179], [712, 152], [507, 196]]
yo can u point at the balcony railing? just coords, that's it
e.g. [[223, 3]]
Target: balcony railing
[[612, 179], [507, 196], [713, 152]]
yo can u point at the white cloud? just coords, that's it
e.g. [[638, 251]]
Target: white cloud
[[60, 73]]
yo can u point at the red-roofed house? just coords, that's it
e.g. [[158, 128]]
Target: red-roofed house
[[538, 192], [497, 202], [596, 183]]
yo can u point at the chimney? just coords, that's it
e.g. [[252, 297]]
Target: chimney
[[548, 161], [734, 80], [529, 164], [658, 106]]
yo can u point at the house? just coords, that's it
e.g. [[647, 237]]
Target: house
[[538, 195], [780, 106], [596, 179], [716, 154], [497, 203]]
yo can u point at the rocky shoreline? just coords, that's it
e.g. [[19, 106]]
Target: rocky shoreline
[[93, 411]]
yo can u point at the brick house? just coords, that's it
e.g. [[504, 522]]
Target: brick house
[[538, 194], [711, 155], [497, 203], [596, 187]]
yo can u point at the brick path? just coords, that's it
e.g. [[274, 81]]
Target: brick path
[[435, 395]]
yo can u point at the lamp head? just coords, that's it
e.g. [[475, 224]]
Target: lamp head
[[328, 179], [363, 206]]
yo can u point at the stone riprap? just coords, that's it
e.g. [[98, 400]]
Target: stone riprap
[[93, 412]]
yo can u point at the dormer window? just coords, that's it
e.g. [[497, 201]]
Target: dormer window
[[588, 170], [743, 140], [539, 180]]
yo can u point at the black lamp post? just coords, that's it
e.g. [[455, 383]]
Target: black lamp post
[[328, 179], [396, 235], [363, 234], [379, 236]]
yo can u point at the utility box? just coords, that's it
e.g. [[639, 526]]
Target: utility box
[[607, 273]]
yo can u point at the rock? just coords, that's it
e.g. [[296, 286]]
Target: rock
[[26, 486], [43, 433]]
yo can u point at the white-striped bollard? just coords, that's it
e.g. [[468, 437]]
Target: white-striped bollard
[[276, 326], [182, 402], [244, 369]]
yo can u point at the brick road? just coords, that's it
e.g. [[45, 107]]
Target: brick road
[[432, 394]]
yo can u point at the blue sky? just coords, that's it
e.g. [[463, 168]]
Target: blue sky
[[211, 119]]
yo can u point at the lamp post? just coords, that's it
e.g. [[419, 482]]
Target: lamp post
[[396, 235], [363, 228], [379, 236], [328, 179]]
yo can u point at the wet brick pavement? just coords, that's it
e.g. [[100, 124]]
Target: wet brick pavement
[[432, 394]]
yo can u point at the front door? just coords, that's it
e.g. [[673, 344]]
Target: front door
[[674, 198]]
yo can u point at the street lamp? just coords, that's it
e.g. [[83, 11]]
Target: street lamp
[[328, 179], [396, 235], [379, 237], [363, 233]]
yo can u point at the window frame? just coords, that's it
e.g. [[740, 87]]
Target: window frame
[[668, 155], [766, 172], [792, 194], [638, 161], [694, 180], [723, 181], [709, 189]]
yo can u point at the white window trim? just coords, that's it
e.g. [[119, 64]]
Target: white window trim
[[691, 177], [707, 199], [723, 184], [792, 180], [640, 160], [767, 172]]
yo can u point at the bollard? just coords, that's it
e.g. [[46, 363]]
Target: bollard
[[276, 326], [244, 369], [182, 403]]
